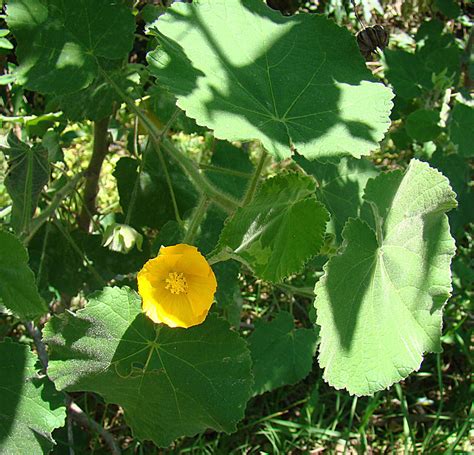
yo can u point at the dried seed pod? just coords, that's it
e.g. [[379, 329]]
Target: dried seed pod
[[287, 7], [371, 38]]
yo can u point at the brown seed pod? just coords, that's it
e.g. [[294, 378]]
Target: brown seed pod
[[371, 38]]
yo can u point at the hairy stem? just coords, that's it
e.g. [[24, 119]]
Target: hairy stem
[[196, 220], [60, 195], [91, 189], [200, 181], [255, 178]]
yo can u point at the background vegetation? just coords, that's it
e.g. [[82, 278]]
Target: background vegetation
[[431, 411]]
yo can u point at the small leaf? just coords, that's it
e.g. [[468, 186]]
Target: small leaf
[[246, 72], [30, 406], [281, 354], [422, 125], [28, 173], [170, 382], [461, 130], [17, 282], [380, 301], [60, 41], [340, 187], [280, 229]]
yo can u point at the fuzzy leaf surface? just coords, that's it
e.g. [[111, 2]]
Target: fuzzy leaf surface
[[30, 406], [17, 282], [380, 301], [170, 382], [60, 41], [280, 229], [281, 353], [290, 82]]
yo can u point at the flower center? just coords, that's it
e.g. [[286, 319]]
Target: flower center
[[176, 283]]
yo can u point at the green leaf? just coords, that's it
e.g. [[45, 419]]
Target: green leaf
[[461, 130], [340, 187], [17, 282], [30, 406], [458, 171], [449, 8], [280, 229], [381, 298], [28, 173], [406, 73], [243, 70], [281, 354], [170, 382], [60, 41], [422, 125]]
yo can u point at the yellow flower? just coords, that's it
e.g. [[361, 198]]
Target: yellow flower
[[177, 287]]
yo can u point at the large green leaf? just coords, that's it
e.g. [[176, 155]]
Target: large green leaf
[[247, 72], [170, 382], [30, 407], [281, 354], [60, 41], [340, 186], [279, 230], [17, 283], [461, 129], [380, 301], [28, 173]]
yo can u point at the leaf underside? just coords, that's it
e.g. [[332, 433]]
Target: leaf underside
[[380, 301]]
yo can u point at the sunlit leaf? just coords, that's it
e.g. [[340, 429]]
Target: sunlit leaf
[[170, 382], [380, 301], [247, 72], [280, 229]]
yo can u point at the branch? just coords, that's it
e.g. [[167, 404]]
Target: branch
[[99, 152], [74, 410]]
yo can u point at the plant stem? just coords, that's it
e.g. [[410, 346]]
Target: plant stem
[[255, 178], [83, 419], [61, 194], [226, 202], [91, 189], [196, 220], [203, 185], [223, 170], [76, 412]]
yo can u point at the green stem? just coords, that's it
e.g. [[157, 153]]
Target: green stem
[[303, 292], [199, 180], [228, 203], [255, 178], [196, 220], [61, 194], [223, 170]]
